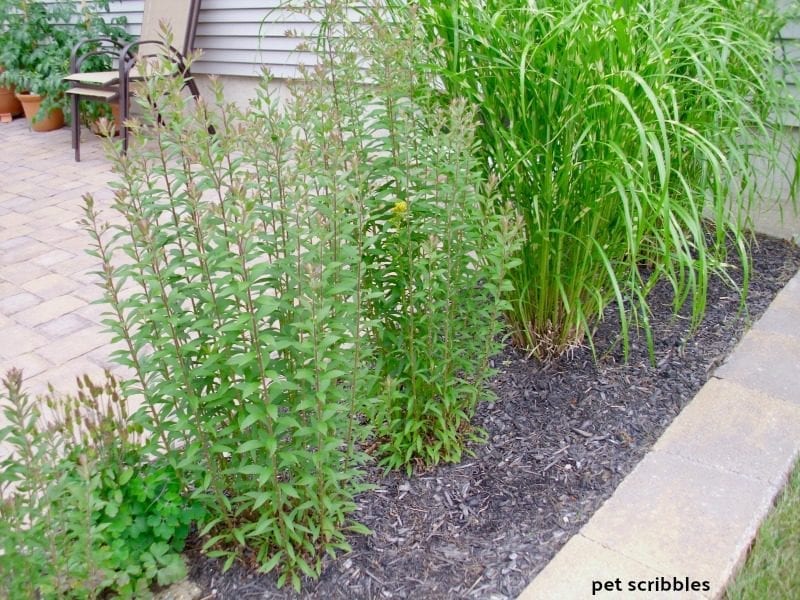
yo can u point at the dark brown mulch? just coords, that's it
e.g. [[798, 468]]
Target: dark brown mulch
[[561, 438]]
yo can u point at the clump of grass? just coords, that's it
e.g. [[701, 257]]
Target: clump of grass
[[773, 567], [616, 129]]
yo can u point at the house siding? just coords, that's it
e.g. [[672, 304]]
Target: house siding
[[238, 37], [788, 46]]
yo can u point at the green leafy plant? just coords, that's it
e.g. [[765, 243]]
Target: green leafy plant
[[83, 514], [144, 519], [35, 529], [438, 258], [616, 129], [246, 302], [35, 52], [278, 271], [138, 508], [36, 41]]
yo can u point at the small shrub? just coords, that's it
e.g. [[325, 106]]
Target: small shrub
[[310, 274]]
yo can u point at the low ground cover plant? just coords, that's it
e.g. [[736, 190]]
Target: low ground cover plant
[[84, 514], [623, 132], [772, 569]]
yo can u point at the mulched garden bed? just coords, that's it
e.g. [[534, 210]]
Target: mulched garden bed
[[561, 437]]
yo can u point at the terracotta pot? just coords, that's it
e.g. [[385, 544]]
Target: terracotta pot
[[9, 103], [30, 105]]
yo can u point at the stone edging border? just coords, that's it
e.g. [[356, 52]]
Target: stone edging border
[[681, 523]]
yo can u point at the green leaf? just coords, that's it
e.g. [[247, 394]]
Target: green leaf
[[273, 562], [289, 490], [260, 498], [249, 420], [172, 571], [159, 550], [239, 535], [359, 528], [228, 563], [249, 446], [125, 476]]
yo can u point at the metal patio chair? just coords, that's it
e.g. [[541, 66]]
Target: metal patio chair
[[114, 86]]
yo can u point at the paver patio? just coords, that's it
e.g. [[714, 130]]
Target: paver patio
[[49, 327]]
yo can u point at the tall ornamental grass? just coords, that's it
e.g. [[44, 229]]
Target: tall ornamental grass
[[616, 128]]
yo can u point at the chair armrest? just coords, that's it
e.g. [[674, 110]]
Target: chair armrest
[[75, 60]]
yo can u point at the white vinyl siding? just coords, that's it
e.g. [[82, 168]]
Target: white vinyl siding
[[131, 10], [789, 47], [238, 37]]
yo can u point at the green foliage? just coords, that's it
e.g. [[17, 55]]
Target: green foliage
[[436, 257], [315, 272], [245, 297], [143, 521], [615, 128], [82, 514], [47, 532], [36, 41], [35, 51]]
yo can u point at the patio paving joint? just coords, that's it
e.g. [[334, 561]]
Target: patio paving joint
[[599, 541], [708, 465]]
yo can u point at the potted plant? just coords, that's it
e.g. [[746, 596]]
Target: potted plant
[[35, 55], [43, 102], [35, 52], [8, 102]]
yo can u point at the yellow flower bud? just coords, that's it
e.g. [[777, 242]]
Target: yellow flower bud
[[400, 208]]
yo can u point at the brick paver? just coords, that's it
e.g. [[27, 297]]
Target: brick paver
[[48, 326]]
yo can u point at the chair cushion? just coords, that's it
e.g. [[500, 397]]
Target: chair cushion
[[99, 78], [100, 94], [102, 78]]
